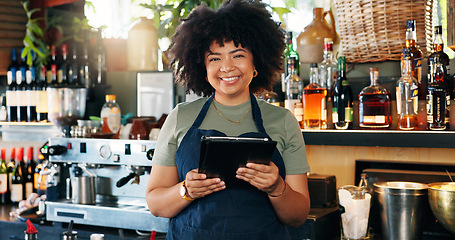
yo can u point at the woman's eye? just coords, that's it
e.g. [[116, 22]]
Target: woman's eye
[[213, 59], [238, 56]]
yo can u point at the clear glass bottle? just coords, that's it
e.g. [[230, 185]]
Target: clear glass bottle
[[375, 108], [314, 102], [111, 116], [328, 73], [416, 57], [407, 90], [294, 86], [342, 110]]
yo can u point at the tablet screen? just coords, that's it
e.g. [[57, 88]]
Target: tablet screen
[[222, 156]]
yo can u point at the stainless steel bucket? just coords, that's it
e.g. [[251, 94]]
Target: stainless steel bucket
[[83, 190], [402, 207]]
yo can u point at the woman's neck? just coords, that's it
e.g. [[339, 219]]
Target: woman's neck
[[231, 101]]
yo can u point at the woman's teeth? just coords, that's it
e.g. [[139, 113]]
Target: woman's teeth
[[229, 79]]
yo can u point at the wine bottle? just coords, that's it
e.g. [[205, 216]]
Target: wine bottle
[[294, 86], [63, 66], [73, 69], [41, 96], [3, 177], [17, 188], [99, 70], [28, 173], [31, 92], [11, 99], [52, 68], [342, 110], [21, 92]]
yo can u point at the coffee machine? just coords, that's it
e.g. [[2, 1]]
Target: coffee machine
[[104, 183]]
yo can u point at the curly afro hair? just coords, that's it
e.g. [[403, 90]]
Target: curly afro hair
[[245, 22]]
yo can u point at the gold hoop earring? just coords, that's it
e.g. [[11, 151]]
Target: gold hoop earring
[[255, 73]]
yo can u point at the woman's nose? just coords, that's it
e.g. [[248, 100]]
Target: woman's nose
[[227, 66]]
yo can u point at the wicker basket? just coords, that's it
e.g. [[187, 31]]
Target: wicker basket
[[375, 30]]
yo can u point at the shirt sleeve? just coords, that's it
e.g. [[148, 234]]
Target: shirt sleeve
[[166, 144], [294, 153]]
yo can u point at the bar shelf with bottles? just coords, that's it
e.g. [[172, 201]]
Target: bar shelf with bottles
[[389, 137]]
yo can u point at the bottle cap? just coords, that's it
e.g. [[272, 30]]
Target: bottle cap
[[97, 236], [410, 25], [438, 30], [20, 154], [13, 154], [3, 154], [30, 153], [313, 65], [110, 98]]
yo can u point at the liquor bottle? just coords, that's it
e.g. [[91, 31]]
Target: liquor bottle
[[21, 92], [314, 102], [52, 68], [270, 97], [73, 70], [416, 57], [84, 63], [442, 68], [28, 172], [63, 66], [31, 92], [375, 107], [99, 58], [328, 73], [3, 177], [11, 98], [38, 183], [3, 111], [21, 161], [437, 98], [294, 86], [10, 168], [290, 52], [41, 101], [17, 188], [342, 110], [111, 116], [407, 90]]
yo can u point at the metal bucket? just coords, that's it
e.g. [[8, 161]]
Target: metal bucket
[[402, 207]]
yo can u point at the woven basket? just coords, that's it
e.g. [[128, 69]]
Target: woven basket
[[375, 30]]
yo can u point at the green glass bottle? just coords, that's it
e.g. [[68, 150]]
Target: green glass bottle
[[342, 111]]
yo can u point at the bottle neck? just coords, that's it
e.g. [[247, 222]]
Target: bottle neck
[[342, 69], [314, 75], [374, 78], [406, 68], [328, 55], [438, 45]]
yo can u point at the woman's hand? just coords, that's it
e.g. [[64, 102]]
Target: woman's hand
[[264, 177], [198, 185]]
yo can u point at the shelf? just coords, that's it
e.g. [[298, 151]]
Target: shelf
[[28, 131], [380, 138]]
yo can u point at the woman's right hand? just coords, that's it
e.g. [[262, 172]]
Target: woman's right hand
[[198, 185]]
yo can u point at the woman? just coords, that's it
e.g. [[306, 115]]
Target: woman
[[228, 54]]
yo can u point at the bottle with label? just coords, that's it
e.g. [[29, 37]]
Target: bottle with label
[[111, 116], [375, 107], [28, 173], [3, 177], [290, 52], [407, 90], [342, 110], [328, 73], [63, 66], [21, 92], [11, 97], [437, 98], [17, 188], [438, 66], [41, 95], [416, 57], [52, 68], [314, 102], [294, 86], [10, 168], [31, 91]]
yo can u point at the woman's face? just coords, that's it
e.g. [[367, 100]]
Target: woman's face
[[229, 71]]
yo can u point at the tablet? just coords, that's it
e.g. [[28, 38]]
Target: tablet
[[222, 156]]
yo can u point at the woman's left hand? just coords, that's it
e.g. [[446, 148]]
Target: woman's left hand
[[264, 177]]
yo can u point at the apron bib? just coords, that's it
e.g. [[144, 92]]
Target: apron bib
[[233, 213]]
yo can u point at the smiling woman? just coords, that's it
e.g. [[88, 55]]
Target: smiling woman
[[228, 54]]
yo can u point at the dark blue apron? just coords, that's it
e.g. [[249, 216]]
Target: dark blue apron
[[233, 213]]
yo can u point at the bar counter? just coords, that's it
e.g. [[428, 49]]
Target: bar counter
[[12, 228]]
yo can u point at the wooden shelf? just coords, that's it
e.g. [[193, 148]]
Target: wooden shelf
[[380, 138]]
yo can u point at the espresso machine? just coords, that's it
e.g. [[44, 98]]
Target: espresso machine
[[103, 181]]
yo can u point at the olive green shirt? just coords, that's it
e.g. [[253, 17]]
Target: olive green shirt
[[279, 123]]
